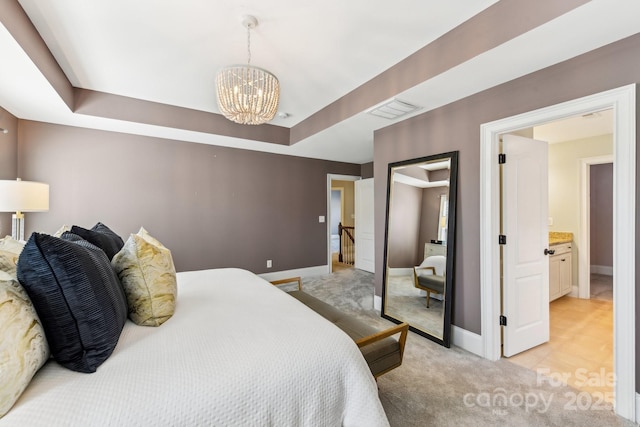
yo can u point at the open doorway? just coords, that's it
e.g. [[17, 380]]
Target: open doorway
[[601, 231], [623, 102], [342, 225], [341, 221], [580, 340]]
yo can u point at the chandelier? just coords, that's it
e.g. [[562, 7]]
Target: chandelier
[[246, 94]]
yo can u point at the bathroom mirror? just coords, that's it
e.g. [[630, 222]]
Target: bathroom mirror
[[419, 244]]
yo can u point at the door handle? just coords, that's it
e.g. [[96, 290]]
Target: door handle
[[549, 251]]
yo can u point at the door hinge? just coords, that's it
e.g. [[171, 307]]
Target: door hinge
[[502, 158], [503, 320], [502, 239]]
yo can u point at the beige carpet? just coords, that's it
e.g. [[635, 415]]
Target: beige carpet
[[437, 386], [602, 287]]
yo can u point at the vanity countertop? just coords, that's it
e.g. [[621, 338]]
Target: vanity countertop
[[558, 237]]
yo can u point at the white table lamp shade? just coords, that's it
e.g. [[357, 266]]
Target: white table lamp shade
[[23, 196]]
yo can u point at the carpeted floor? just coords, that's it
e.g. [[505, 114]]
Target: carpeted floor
[[602, 287], [405, 301], [437, 386]]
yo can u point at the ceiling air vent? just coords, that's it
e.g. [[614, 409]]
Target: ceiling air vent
[[393, 109]]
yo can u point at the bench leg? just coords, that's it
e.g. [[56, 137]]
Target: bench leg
[[428, 298]]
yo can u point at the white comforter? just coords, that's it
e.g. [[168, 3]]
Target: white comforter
[[238, 351]]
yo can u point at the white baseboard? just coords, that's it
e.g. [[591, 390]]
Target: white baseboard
[[607, 270], [574, 291], [302, 272], [466, 340], [377, 303]]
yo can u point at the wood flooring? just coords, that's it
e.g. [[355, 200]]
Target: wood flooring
[[580, 350]]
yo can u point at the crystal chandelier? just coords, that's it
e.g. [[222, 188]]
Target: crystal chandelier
[[247, 95]]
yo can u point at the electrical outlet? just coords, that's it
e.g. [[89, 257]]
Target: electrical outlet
[[269, 263], [550, 220]]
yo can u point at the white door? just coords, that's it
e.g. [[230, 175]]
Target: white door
[[364, 225], [525, 284]]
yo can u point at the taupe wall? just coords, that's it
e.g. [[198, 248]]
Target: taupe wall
[[8, 160], [601, 177], [404, 225], [212, 206], [366, 171], [457, 127]]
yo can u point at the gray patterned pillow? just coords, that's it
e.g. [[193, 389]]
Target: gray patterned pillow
[[148, 276], [23, 346]]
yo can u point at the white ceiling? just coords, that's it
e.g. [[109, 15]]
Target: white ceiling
[[574, 128], [169, 52]]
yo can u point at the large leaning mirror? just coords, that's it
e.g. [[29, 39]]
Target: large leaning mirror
[[419, 244]]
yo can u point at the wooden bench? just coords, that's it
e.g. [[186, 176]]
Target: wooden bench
[[382, 351]]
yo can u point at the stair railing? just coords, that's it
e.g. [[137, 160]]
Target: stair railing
[[347, 244]]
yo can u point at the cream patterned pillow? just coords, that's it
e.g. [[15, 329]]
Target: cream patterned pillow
[[61, 230], [23, 346], [148, 277], [11, 245], [149, 238], [9, 262]]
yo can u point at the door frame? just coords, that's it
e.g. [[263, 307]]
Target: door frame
[[623, 102], [584, 255], [334, 177]]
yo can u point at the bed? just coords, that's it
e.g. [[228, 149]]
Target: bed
[[237, 351]]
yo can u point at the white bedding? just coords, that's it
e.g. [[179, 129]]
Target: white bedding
[[238, 351]]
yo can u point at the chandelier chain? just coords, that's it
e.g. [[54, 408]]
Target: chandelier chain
[[248, 44]]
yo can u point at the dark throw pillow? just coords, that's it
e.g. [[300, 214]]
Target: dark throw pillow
[[77, 296], [101, 236]]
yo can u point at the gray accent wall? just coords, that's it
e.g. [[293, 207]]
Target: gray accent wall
[[212, 206], [601, 221], [366, 170], [404, 226], [457, 127]]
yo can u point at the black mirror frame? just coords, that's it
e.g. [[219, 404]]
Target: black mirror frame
[[451, 237]]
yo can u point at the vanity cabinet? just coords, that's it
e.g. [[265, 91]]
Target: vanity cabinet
[[560, 270]]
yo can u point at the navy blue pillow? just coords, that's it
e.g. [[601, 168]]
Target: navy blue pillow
[[77, 296], [101, 236]]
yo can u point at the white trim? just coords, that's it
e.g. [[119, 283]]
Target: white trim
[[623, 101], [377, 303], [466, 340], [574, 291], [605, 270], [333, 177], [301, 272], [637, 420], [584, 254]]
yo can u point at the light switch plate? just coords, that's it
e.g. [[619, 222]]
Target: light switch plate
[[321, 218]]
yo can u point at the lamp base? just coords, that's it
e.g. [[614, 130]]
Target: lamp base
[[17, 226]]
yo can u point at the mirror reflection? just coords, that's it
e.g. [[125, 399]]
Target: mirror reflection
[[418, 280]]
